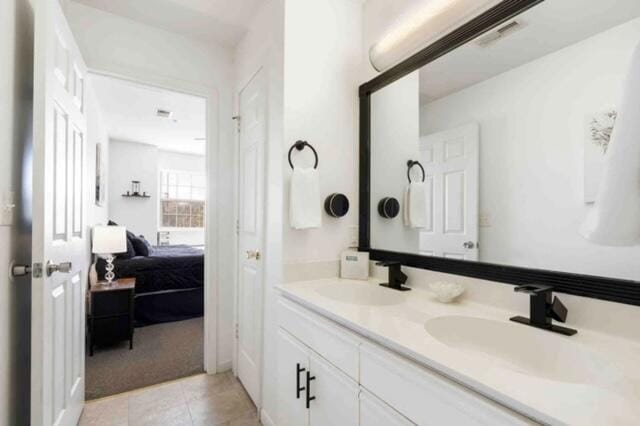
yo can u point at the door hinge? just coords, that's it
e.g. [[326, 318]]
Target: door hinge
[[237, 119], [238, 227], [237, 332]]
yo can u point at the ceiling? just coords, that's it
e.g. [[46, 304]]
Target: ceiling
[[129, 111], [548, 27], [219, 21]]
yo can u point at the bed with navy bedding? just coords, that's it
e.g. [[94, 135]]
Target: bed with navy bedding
[[169, 283]]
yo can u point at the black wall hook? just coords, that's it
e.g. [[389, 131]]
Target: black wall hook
[[299, 145], [412, 163]]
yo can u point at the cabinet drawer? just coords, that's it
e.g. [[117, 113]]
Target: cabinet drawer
[[331, 341], [425, 397], [111, 303], [374, 412]]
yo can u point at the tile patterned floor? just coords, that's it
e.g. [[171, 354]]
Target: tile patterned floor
[[194, 401]]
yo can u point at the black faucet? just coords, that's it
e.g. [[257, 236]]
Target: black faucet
[[396, 276], [543, 310]]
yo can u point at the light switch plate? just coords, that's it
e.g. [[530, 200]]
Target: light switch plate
[[484, 220], [7, 208]]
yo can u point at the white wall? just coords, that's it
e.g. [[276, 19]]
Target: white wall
[[122, 47], [322, 62], [532, 130], [395, 135], [96, 133], [16, 107], [263, 49], [134, 161]]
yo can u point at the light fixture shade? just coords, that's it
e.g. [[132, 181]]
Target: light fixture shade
[[421, 26], [109, 239], [614, 220]]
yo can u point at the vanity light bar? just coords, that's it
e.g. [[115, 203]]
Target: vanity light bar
[[421, 26]]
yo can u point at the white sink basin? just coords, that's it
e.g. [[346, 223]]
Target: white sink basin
[[522, 349], [361, 294]]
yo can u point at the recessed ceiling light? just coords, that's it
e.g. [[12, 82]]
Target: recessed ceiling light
[[199, 139], [164, 113]]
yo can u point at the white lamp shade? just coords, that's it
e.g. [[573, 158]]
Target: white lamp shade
[[109, 239], [422, 25]]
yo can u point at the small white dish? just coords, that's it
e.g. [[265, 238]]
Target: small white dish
[[446, 292]]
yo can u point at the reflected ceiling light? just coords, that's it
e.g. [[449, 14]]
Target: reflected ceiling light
[[421, 26]]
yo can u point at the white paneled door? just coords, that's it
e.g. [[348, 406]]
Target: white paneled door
[[451, 163], [60, 249], [251, 230]]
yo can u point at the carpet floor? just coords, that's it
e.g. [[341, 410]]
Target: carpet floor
[[160, 353]]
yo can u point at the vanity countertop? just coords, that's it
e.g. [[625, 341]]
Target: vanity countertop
[[600, 386]]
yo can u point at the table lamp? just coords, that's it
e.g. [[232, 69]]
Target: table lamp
[[107, 241]]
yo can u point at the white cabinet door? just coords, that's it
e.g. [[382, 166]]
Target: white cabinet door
[[334, 395], [293, 365], [374, 412]]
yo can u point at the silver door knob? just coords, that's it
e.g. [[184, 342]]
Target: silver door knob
[[253, 254], [468, 244], [64, 267]]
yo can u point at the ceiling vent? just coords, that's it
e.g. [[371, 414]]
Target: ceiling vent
[[164, 113], [500, 33]]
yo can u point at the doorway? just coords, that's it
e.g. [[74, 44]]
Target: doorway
[[150, 147]]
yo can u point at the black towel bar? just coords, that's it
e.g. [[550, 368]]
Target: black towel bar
[[299, 145]]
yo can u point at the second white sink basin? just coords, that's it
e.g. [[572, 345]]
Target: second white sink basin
[[521, 348], [361, 294]]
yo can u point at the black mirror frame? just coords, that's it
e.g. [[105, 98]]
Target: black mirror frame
[[603, 288]]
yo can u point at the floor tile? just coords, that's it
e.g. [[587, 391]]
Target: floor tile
[[174, 416], [219, 408], [250, 419], [203, 385], [155, 399], [111, 411]]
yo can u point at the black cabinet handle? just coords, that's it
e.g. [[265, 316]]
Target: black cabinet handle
[[309, 397], [298, 388]]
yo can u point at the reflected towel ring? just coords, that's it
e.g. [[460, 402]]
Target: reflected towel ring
[[412, 163], [299, 145]]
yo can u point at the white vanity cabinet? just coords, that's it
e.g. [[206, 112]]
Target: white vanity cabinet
[[310, 390], [357, 382]]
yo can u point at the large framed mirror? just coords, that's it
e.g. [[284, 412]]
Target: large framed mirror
[[496, 142]]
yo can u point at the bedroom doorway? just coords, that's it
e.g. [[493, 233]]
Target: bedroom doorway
[[151, 178]]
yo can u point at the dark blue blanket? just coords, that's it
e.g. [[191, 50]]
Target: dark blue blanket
[[167, 268]]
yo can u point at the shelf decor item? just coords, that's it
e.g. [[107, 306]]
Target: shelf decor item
[[446, 292], [107, 241], [135, 187]]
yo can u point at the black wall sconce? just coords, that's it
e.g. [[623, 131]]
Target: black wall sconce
[[388, 207], [336, 205]]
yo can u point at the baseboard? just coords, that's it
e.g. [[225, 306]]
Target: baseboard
[[224, 366], [265, 419]]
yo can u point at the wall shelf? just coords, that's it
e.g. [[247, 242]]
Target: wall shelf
[[136, 196]]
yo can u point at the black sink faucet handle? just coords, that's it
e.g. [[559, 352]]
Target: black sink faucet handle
[[557, 310]]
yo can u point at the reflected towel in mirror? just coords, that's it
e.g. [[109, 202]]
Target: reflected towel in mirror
[[615, 218], [305, 206], [414, 206]]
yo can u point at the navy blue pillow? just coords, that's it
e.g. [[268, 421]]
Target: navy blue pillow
[[139, 245]]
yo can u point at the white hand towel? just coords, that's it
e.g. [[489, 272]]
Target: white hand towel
[[405, 207], [417, 205], [304, 204], [615, 218]]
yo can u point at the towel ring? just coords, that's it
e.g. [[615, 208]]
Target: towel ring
[[299, 145], [412, 163]]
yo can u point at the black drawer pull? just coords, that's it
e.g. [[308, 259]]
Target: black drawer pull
[[309, 379], [298, 388]]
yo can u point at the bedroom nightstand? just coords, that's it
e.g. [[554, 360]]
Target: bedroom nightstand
[[110, 312]]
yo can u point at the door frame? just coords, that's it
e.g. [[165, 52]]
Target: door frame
[[213, 205], [263, 249]]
